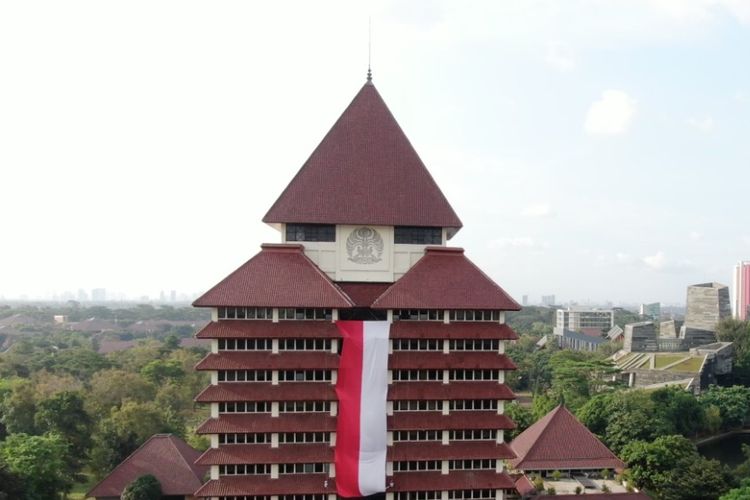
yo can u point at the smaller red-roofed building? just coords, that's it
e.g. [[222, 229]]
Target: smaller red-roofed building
[[164, 456]]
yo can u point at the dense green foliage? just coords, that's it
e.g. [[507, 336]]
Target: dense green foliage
[[67, 411], [143, 488]]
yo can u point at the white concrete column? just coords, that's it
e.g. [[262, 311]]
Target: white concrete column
[[446, 376], [501, 376], [446, 437], [446, 316], [331, 470], [500, 407], [334, 408], [214, 314], [275, 377], [389, 438], [446, 407], [332, 439], [274, 409], [389, 316], [214, 440], [334, 376], [501, 347], [334, 346], [275, 315], [214, 346], [389, 468], [500, 436], [446, 346], [214, 410], [214, 472], [274, 440], [502, 317], [214, 377], [389, 408], [444, 467], [390, 377], [335, 315], [274, 471], [274, 346]]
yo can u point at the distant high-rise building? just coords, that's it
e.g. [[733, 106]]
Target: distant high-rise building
[[741, 292], [82, 295], [707, 305], [585, 320], [173, 296], [651, 311], [548, 300], [525, 300], [98, 294]]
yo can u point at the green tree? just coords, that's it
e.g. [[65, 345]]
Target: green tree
[[740, 493], [670, 468], [733, 403], [40, 463], [109, 388], [521, 416], [143, 488], [11, 485], [158, 371], [63, 414], [680, 408], [18, 407]]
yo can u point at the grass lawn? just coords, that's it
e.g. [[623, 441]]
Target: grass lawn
[[663, 360], [80, 489], [690, 365]]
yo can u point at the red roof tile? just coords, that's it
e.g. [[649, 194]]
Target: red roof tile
[[524, 486], [278, 276], [455, 330], [559, 441], [166, 457], [264, 422], [598, 496], [252, 329], [363, 294], [445, 279], [399, 391], [426, 420], [456, 480], [364, 171], [264, 454], [424, 450], [454, 360], [261, 391], [264, 360], [299, 484]]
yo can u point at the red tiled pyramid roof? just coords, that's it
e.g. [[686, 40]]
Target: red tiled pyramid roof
[[445, 279], [559, 441], [168, 458], [278, 276], [364, 171]]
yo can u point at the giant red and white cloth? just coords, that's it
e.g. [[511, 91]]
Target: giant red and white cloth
[[362, 387]]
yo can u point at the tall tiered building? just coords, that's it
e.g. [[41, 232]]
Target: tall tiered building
[[364, 231]]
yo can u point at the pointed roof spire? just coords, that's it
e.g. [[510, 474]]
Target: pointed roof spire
[[369, 74], [364, 171]]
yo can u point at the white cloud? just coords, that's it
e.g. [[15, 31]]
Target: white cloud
[[538, 210], [559, 56], [706, 124], [656, 261], [612, 114], [517, 242], [695, 235], [742, 97], [623, 258]]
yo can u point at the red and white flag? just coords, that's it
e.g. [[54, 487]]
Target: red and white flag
[[362, 387]]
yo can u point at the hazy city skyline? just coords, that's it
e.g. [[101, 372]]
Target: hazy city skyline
[[600, 148]]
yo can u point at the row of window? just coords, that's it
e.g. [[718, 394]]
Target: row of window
[[453, 344], [266, 375], [255, 469], [454, 405], [266, 313], [284, 437], [437, 375], [284, 407], [431, 465], [404, 235], [454, 435], [279, 497], [325, 406], [437, 495]]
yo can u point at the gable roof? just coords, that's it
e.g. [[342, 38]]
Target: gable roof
[[168, 458], [364, 171], [278, 276], [445, 279], [559, 441]]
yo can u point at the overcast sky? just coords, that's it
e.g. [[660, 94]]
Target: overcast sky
[[595, 150]]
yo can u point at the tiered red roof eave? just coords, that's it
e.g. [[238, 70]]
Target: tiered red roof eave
[[444, 278], [300, 484], [264, 422]]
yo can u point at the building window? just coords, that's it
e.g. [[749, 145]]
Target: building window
[[244, 375], [418, 495], [417, 345], [245, 344], [245, 407], [476, 464], [418, 405], [416, 465], [305, 437], [244, 469], [417, 375], [305, 314], [244, 438], [431, 435], [474, 315], [473, 404], [473, 435], [280, 497], [471, 494], [473, 375], [304, 376], [415, 235], [474, 345], [245, 313], [304, 406], [305, 344], [315, 468], [310, 232], [418, 314]]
